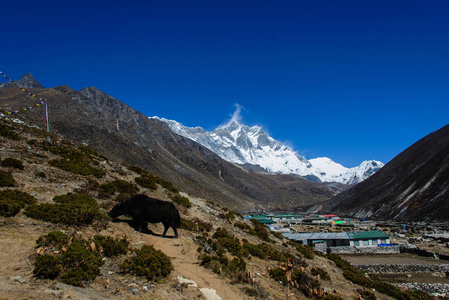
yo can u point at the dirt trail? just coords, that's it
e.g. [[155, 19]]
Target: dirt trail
[[184, 258], [17, 244]]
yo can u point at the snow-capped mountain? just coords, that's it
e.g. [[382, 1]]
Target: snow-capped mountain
[[242, 144]]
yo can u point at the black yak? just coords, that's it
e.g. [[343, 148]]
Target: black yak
[[145, 209]]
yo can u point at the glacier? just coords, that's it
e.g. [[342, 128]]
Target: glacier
[[241, 144]]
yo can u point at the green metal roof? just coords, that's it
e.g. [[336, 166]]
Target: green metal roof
[[263, 219], [368, 235], [287, 216]]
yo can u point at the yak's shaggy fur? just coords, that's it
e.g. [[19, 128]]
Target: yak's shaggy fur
[[144, 209]]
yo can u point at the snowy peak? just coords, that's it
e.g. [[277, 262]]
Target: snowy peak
[[242, 144], [335, 172], [364, 170]]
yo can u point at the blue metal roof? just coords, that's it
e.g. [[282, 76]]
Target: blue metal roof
[[316, 236], [334, 235]]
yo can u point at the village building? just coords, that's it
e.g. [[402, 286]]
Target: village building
[[326, 241], [287, 218], [264, 219]]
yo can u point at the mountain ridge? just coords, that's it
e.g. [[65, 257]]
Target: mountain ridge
[[244, 145], [96, 119], [413, 186]]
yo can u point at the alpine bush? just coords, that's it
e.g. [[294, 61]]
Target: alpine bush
[[148, 262], [8, 132], [77, 167], [110, 246], [55, 239], [196, 225], [6, 179], [146, 182], [70, 209], [12, 201], [81, 263], [11, 162], [118, 186], [9, 209], [183, 201], [136, 169], [321, 272], [77, 262], [47, 266]]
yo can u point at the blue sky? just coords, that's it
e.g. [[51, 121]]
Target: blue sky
[[350, 80]]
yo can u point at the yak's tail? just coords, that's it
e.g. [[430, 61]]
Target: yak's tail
[[176, 217]]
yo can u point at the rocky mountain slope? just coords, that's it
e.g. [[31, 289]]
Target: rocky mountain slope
[[93, 118], [205, 224], [413, 186], [252, 146]]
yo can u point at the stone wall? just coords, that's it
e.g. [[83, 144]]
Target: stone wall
[[435, 289], [399, 268], [362, 250], [421, 252]]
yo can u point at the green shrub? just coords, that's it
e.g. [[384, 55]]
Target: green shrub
[[9, 209], [110, 246], [229, 242], [332, 297], [118, 186], [77, 167], [278, 275], [32, 142], [77, 262], [261, 230], [121, 198], [11, 162], [149, 181], [304, 249], [321, 272], [227, 215], [183, 201], [304, 282], [148, 262], [146, 182], [245, 227], [40, 174], [6, 179], [12, 201], [71, 209], [278, 235], [168, 185], [81, 263], [255, 250], [274, 254], [234, 269], [367, 295], [221, 241], [67, 151], [76, 198], [89, 152], [23, 198], [47, 266], [136, 169], [8, 132], [55, 239], [256, 291], [196, 225]]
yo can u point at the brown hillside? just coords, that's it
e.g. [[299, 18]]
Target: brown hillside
[[414, 186], [18, 235], [109, 126]]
